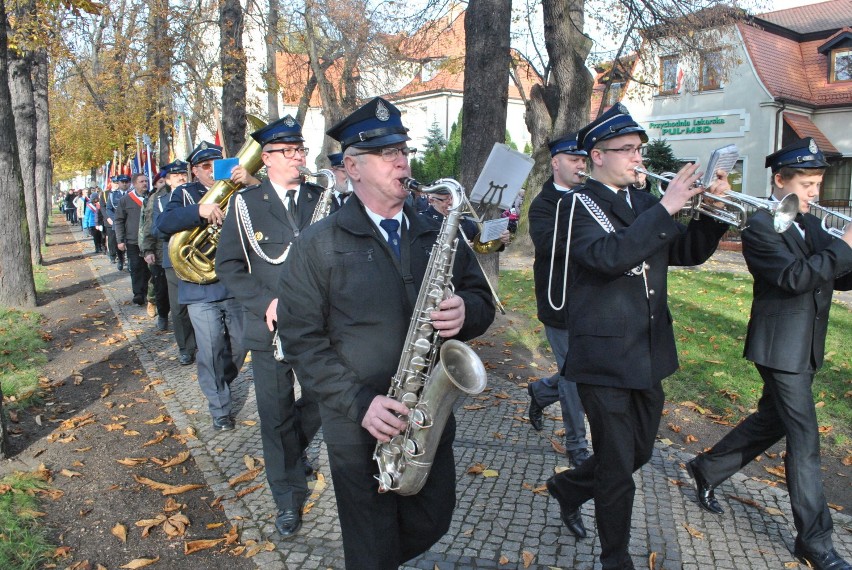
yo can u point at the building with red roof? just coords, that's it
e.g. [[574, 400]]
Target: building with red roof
[[783, 75]]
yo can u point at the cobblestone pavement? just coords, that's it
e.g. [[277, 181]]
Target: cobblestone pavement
[[508, 516]]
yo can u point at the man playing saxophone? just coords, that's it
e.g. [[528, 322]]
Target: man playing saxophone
[[261, 222], [344, 309]]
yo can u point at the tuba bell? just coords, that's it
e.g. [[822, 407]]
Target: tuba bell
[[193, 252]]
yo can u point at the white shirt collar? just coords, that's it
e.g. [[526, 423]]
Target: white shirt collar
[[282, 192], [399, 217]]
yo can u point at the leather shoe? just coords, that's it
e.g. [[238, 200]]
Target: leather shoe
[[186, 359], [151, 309], [703, 490], [535, 412], [309, 469], [288, 522], [163, 323], [121, 266], [578, 456], [224, 423], [570, 516], [828, 560]]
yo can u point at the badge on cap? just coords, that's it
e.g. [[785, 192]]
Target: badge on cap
[[204, 145], [382, 112], [290, 121], [621, 108], [258, 236], [812, 146]]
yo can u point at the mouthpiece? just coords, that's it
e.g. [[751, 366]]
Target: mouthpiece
[[411, 184]]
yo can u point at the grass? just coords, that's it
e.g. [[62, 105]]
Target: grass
[[23, 545], [711, 313], [21, 356], [42, 281]]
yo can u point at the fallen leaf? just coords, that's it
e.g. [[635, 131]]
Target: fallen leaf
[[132, 461], [115, 427], [837, 508], [165, 488], [160, 436], [245, 492], [243, 477], [176, 460], [528, 558], [777, 471], [140, 563], [652, 561], [211, 526], [476, 469], [158, 420], [690, 438], [131, 432], [674, 427], [749, 502], [192, 546], [120, 532], [69, 473], [503, 560], [249, 423], [695, 533], [774, 512], [490, 473]]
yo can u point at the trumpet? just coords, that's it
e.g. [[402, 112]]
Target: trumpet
[[832, 231], [733, 211]]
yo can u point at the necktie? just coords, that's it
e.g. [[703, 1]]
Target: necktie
[[623, 195], [391, 227], [291, 202]]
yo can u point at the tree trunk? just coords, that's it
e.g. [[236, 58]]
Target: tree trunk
[[271, 64], [487, 26], [23, 108], [43, 164], [233, 61], [16, 271]]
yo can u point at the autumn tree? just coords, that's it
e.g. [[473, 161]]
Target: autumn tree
[[233, 68]]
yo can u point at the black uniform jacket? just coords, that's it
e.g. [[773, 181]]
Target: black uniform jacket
[[620, 329], [344, 310], [542, 213], [250, 279], [793, 284]]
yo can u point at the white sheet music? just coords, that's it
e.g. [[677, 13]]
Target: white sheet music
[[724, 158], [501, 179], [492, 229]]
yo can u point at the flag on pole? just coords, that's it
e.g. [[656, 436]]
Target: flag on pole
[[219, 137]]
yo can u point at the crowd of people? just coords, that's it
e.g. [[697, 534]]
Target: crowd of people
[[329, 299]]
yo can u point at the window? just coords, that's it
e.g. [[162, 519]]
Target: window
[[837, 182], [735, 177], [614, 93], [841, 65], [668, 75], [711, 71]]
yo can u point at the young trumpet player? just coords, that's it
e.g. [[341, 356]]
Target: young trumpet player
[[795, 273]]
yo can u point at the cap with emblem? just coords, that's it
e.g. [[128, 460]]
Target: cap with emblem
[[376, 124], [121, 178], [113, 179], [336, 159], [175, 167], [614, 123], [284, 130], [803, 153], [203, 152], [566, 145]]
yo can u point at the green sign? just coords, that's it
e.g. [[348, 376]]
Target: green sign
[[688, 126]]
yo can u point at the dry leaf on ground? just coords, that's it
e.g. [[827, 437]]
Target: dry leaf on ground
[[140, 563], [193, 546], [120, 532]]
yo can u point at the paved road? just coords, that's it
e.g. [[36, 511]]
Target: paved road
[[507, 516]]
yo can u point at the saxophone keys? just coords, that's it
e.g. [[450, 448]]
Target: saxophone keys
[[420, 418]]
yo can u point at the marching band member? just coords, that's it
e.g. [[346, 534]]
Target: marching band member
[[216, 316], [342, 189], [345, 306], [128, 214], [795, 274], [619, 325], [109, 205], [554, 203], [261, 223]]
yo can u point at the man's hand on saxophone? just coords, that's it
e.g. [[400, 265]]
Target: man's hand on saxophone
[[449, 317], [381, 418]]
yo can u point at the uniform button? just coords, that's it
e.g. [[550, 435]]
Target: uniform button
[[652, 317], [650, 291], [662, 235], [818, 291]]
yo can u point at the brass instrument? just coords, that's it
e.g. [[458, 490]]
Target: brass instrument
[[427, 386], [733, 211], [323, 207], [193, 252], [832, 231]]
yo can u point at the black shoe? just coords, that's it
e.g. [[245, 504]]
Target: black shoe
[[121, 266], [828, 560], [578, 456], [535, 412], [163, 324], [288, 522], [186, 359], [309, 469], [703, 490], [570, 516], [225, 423]]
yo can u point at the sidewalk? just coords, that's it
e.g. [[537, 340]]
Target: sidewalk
[[509, 515]]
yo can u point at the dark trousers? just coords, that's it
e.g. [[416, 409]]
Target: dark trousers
[[181, 323], [161, 289], [623, 424], [786, 407], [139, 273], [381, 531], [112, 245], [97, 238], [287, 426]]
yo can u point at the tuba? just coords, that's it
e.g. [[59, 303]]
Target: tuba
[[193, 252], [427, 386]]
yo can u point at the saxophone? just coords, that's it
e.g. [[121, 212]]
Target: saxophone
[[193, 251], [428, 386]]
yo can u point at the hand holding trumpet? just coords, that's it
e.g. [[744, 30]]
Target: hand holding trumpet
[[681, 189]]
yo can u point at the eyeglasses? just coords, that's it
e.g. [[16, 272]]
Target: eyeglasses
[[625, 150], [390, 153], [289, 152], [205, 166]]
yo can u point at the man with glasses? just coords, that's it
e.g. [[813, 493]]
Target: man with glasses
[[619, 325], [345, 306], [342, 189], [127, 216], [215, 314], [261, 223]]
